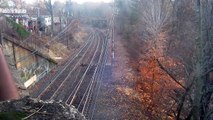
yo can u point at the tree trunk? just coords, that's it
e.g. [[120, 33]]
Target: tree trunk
[[52, 21]]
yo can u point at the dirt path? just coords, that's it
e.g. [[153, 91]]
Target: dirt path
[[116, 99]]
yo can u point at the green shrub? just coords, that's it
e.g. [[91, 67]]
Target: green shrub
[[22, 32]]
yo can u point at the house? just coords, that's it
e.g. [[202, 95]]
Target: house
[[18, 15]]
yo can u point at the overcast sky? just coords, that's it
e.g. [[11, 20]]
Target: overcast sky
[[78, 1]]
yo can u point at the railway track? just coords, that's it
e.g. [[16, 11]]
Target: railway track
[[58, 84], [69, 81], [89, 109], [42, 84], [76, 94], [79, 79]]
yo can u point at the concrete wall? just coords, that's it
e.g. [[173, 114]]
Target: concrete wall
[[24, 58], [19, 56], [27, 64], [8, 52]]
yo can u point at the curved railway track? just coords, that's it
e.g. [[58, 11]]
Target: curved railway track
[[78, 80]]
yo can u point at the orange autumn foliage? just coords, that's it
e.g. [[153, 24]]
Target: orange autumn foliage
[[156, 89]]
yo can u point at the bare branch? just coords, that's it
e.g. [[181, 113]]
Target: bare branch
[[170, 75]]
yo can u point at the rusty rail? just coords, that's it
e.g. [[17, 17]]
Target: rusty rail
[[8, 89]]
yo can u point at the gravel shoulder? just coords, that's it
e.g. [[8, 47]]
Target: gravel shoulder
[[117, 99]]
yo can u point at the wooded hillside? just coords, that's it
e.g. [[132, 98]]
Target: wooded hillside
[[172, 41]]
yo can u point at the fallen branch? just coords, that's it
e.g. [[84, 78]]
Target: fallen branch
[[44, 113], [170, 75], [208, 115], [186, 89], [33, 113]]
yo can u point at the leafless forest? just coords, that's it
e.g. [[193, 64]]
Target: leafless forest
[[172, 42], [167, 73]]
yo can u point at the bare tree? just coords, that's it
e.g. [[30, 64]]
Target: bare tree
[[193, 48], [155, 15], [49, 6], [177, 47]]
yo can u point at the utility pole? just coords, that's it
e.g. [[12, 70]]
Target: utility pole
[[113, 31], [1, 39], [38, 12]]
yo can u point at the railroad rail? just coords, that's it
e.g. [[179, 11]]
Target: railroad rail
[[78, 80], [42, 84]]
